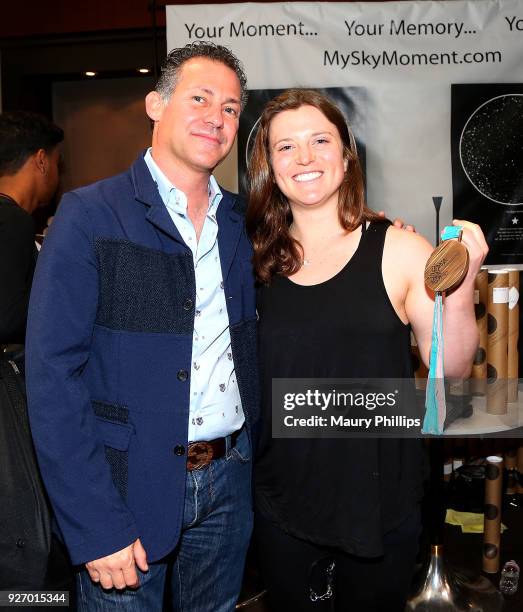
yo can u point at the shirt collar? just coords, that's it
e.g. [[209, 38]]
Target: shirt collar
[[175, 198]]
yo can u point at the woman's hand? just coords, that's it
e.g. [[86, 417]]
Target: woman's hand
[[474, 240], [399, 223]]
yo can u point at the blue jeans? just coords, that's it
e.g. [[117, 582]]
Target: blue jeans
[[206, 570]]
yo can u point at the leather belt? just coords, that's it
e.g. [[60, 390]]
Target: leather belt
[[201, 453]]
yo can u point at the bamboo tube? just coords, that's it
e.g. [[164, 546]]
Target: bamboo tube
[[492, 524], [479, 367], [513, 335], [497, 342]]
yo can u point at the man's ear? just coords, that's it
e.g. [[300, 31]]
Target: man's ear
[[41, 161], [154, 105]]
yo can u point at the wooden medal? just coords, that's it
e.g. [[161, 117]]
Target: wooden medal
[[447, 266]]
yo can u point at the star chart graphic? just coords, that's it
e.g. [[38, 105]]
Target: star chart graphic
[[491, 149], [487, 164]]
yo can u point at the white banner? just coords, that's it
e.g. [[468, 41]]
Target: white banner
[[434, 91]]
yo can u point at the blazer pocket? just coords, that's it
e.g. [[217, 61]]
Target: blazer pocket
[[116, 438], [115, 435]]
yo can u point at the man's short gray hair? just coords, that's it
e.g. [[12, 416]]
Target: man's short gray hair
[[217, 53]]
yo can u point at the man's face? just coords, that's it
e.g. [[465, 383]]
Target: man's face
[[196, 128]]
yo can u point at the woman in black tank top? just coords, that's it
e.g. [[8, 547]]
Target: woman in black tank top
[[337, 520]]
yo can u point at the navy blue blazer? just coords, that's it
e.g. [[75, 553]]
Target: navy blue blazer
[[109, 345]]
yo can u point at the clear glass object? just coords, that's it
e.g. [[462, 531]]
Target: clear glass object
[[508, 583]]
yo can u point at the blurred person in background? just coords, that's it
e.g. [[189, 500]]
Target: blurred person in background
[[29, 177]]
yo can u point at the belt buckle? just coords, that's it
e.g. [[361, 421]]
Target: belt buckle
[[199, 455]]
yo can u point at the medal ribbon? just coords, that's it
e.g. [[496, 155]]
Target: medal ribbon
[[435, 405]]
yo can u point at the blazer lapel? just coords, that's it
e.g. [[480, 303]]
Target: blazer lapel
[[160, 218], [146, 192], [230, 222], [230, 226]]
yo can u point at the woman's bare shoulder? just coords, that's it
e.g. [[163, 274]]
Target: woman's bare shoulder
[[408, 244]]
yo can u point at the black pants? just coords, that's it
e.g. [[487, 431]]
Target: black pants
[[291, 567]]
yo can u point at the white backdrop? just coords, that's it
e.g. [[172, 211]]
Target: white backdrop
[[405, 54]]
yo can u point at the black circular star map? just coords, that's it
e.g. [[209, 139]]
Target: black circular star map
[[491, 149]]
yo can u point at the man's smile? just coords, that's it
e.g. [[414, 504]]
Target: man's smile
[[209, 137]]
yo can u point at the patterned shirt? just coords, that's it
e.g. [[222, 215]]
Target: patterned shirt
[[215, 408]]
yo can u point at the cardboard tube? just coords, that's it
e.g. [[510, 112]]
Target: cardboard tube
[[513, 335], [479, 367], [492, 524], [497, 342]]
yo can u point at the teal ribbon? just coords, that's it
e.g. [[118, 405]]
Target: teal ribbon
[[435, 393], [451, 231], [435, 404]]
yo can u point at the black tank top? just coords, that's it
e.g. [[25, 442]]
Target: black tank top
[[345, 493]]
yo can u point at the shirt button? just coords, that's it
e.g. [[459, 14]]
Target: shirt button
[[20, 543], [179, 450], [182, 375], [188, 304]]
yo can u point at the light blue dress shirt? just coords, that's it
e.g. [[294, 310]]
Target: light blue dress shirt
[[215, 408]]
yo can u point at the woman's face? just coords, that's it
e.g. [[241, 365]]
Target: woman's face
[[306, 157]]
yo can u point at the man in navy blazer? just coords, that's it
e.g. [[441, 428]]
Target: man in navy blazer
[[141, 358]]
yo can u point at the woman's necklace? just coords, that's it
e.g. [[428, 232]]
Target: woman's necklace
[[318, 251], [318, 254]]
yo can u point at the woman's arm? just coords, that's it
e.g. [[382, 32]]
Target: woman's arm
[[459, 319], [404, 262]]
